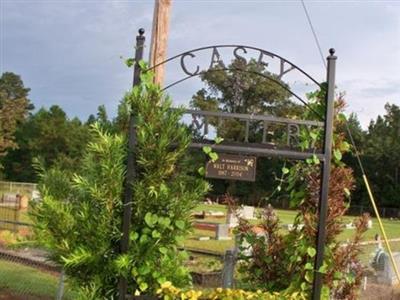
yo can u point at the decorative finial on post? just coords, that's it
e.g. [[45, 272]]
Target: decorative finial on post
[[332, 51], [141, 31]]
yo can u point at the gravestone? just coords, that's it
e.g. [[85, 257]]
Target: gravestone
[[36, 195], [369, 224], [217, 214], [384, 269], [290, 227], [244, 247], [247, 212], [222, 232], [231, 219], [9, 197]]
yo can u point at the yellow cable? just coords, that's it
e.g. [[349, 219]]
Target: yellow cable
[[381, 227]]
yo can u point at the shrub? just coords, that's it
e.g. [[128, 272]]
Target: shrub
[[79, 219], [169, 292], [285, 261]]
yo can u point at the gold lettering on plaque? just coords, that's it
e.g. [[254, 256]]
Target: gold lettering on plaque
[[230, 166]]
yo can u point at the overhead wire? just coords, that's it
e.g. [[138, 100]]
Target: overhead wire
[[314, 33], [357, 154]]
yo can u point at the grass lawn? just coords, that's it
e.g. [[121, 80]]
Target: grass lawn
[[26, 281], [31, 283], [392, 228]]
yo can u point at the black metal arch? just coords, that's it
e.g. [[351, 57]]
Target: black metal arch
[[242, 47], [251, 72]]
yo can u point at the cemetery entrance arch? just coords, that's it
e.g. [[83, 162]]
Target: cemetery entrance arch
[[191, 67]]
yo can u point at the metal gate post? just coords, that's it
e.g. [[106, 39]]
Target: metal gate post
[[131, 166], [325, 174]]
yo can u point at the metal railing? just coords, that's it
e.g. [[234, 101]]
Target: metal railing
[[21, 188]]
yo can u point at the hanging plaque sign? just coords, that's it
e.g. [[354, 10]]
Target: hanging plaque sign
[[235, 167]]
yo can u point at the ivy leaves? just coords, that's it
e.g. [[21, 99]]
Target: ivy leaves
[[311, 252], [213, 155]]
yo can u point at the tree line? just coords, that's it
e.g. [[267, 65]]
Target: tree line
[[51, 137]]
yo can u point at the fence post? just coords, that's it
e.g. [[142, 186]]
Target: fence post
[[229, 269], [17, 205]]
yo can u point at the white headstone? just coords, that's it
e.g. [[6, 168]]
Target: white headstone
[[36, 195], [385, 270], [369, 224], [247, 212], [214, 213], [222, 232], [232, 220], [290, 227], [245, 248]]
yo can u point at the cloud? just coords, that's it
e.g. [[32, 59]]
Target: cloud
[[68, 52]]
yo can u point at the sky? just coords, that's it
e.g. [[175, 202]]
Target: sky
[[71, 53]]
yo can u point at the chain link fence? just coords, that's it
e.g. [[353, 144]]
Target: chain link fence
[[27, 274]]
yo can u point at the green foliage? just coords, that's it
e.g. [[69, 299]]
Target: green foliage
[[286, 261], [238, 92], [235, 91], [165, 194], [50, 136], [14, 106], [79, 219], [170, 292], [380, 152]]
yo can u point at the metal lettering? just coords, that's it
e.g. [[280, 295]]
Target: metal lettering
[[265, 132], [183, 66], [293, 132], [216, 59], [282, 69], [205, 131], [314, 141], [198, 126], [260, 61], [246, 138], [239, 57]]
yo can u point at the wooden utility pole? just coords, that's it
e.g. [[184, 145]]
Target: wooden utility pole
[[159, 38]]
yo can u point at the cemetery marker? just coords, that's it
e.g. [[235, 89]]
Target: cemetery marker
[[229, 166]]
